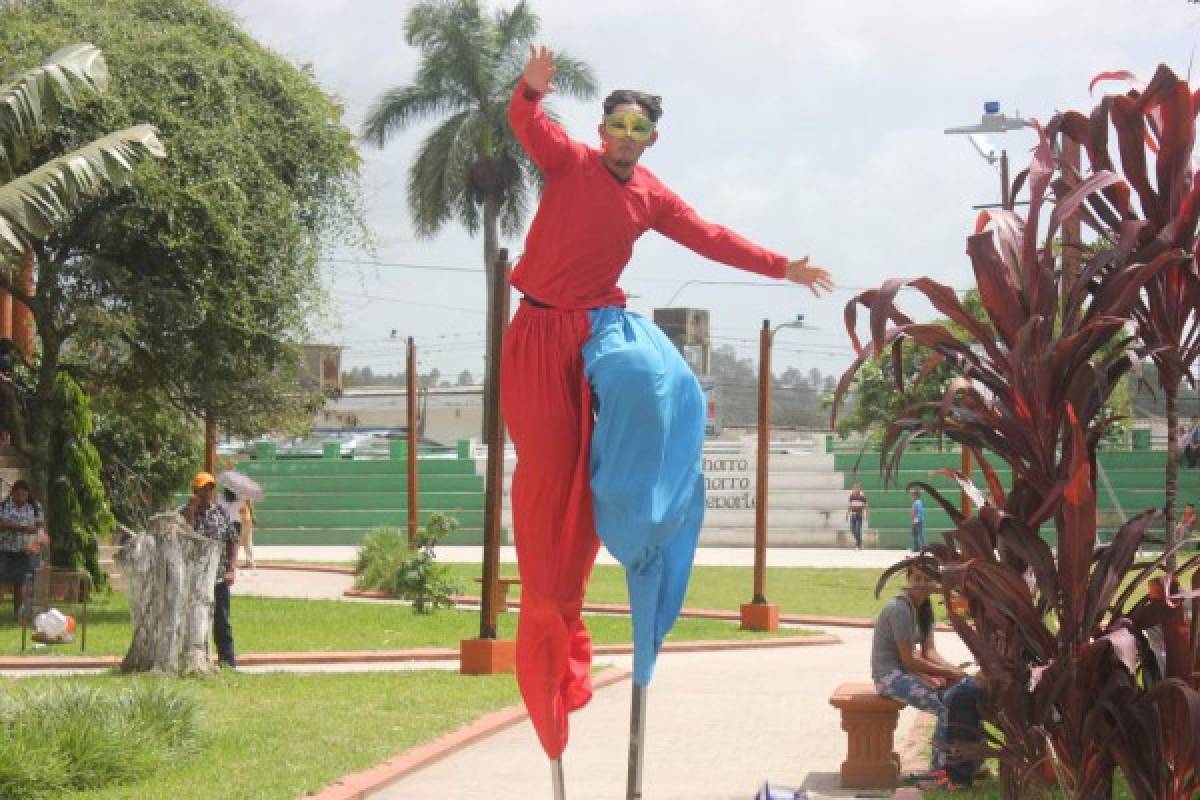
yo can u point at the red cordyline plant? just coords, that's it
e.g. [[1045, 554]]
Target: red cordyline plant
[[1155, 132], [1074, 685]]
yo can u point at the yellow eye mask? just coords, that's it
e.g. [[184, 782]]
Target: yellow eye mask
[[629, 125]]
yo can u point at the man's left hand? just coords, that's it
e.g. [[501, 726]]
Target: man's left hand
[[230, 576], [815, 278]]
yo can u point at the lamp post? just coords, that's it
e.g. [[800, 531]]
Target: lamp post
[[758, 614], [413, 440], [992, 121], [488, 654]]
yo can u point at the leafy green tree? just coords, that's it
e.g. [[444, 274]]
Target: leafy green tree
[[77, 510], [195, 286], [148, 448], [736, 381], [470, 168]]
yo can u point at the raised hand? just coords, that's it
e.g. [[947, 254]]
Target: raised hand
[[540, 69], [815, 278]]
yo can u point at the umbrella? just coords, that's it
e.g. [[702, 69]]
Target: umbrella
[[242, 485]]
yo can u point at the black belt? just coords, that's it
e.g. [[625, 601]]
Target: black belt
[[539, 304]]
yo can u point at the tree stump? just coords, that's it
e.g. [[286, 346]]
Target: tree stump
[[171, 572]]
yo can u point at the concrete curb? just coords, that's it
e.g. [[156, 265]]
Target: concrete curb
[[18, 664], [359, 785], [300, 566]]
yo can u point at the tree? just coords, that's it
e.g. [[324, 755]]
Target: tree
[[465, 378], [470, 168], [736, 381], [1163, 221], [193, 287], [36, 203], [148, 449], [77, 511]]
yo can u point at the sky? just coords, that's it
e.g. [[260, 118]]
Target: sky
[[812, 128]]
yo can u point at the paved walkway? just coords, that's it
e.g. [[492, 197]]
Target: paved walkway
[[718, 724]]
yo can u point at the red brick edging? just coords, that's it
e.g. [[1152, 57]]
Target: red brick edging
[[359, 785], [693, 613]]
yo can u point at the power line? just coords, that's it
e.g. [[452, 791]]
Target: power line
[[403, 302], [479, 271]]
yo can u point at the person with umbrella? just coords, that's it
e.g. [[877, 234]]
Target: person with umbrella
[[606, 417], [247, 492]]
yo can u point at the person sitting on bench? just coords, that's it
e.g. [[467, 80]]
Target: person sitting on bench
[[906, 666]]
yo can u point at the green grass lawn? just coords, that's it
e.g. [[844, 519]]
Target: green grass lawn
[[844, 592], [263, 624], [280, 736]]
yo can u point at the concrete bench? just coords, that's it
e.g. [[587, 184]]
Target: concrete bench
[[869, 721]]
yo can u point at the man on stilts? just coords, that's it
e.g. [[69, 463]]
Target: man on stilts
[[606, 418]]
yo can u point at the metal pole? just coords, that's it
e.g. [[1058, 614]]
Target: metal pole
[[764, 436], [556, 779], [1005, 199], [494, 423], [413, 442], [637, 743], [966, 470]]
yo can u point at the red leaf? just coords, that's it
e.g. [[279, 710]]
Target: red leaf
[[1116, 75], [997, 287], [1077, 534]]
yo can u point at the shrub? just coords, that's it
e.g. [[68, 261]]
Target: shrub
[[71, 737], [387, 564], [1074, 683], [380, 555]]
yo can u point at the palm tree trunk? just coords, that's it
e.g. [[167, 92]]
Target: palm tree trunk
[[1171, 390], [491, 246]]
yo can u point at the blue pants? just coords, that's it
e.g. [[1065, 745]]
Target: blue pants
[[222, 627], [856, 526], [958, 717], [920, 542], [647, 484]]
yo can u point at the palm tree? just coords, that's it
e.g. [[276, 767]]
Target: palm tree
[[33, 204], [470, 168]]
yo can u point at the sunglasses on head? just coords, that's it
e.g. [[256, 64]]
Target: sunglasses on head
[[629, 125]]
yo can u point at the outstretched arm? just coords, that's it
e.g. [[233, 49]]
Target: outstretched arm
[[677, 220], [543, 139]]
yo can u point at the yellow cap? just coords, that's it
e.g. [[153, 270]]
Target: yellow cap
[[203, 479]]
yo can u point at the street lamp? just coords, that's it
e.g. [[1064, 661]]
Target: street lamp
[[758, 614], [992, 121]]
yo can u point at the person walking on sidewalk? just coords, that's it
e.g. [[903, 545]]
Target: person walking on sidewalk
[[856, 512], [246, 534], [209, 518], [919, 541], [606, 417]]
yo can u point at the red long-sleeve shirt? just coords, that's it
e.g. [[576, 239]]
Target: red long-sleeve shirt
[[587, 221]]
